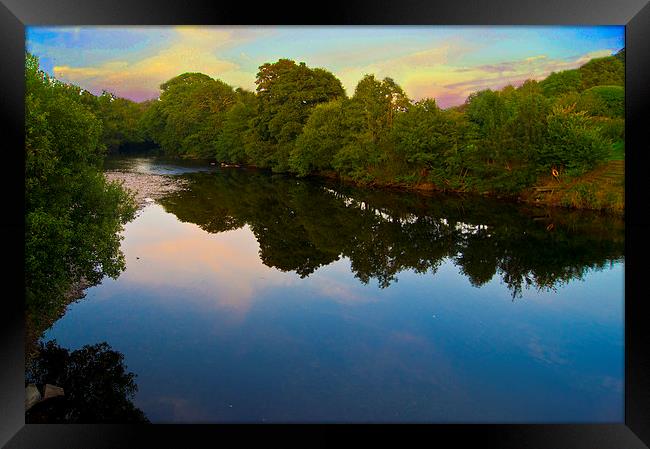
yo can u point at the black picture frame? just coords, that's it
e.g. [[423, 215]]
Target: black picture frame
[[634, 433]]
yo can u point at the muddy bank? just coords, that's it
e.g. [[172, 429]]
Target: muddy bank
[[35, 326]]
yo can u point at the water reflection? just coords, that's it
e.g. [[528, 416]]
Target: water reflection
[[257, 298], [301, 226], [96, 386], [172, 259], [157, 165]]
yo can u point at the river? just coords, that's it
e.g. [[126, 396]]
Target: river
[[252, 297]]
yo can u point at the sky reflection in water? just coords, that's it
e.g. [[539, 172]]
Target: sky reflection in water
[[215, 335]]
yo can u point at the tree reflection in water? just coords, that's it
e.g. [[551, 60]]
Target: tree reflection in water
[[97, 388], [302, 225]]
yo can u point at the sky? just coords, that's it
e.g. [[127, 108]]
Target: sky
[[442, 62]]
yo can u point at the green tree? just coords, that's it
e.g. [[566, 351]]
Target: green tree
[[153, 121], [603, 101], [488, 110], [620, 55], [188, 118], [607, 71], [573, 142], [287, 92], [560, 83], [120, 120], [380, 101], [528, 123], [427, 137], [73, 216], [511, 126], [322, 137], [230, 143], [357, 152], [334, 137]]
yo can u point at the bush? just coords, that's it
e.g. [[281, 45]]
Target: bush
[[603, 101], [572, 142], [611, 129]]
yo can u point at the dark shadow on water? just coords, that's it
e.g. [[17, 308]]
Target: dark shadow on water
[[302, 225], [96, 385]]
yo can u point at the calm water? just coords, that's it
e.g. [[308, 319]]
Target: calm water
[[259, 298]]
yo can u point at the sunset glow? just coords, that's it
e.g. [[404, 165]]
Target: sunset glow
[[443, 62]]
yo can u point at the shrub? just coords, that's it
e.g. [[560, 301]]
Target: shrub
[[611, 129], [572, 142], [603, 101]]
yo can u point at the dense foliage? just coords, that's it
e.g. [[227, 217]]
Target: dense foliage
[[120, 119], [190, 114], [287, 93], [300, 121], [230, 143], [72, 214]]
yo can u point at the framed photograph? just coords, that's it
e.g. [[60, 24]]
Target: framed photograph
[[401, 220]]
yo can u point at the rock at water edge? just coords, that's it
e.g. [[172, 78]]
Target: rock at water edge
[[52, 391], [32, 396]]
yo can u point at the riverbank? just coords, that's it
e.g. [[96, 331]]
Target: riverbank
[[35, 326], [601, 189]]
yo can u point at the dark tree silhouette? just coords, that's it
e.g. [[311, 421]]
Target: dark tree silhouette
[[302, 226], [97, 387]]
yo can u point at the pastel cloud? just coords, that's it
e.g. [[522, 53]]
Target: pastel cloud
[[405, 68], [431, 74], [194, 50], [219, 272], [447, 63]]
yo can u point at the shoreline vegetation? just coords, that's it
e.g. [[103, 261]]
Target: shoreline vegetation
[[73, 214], [543, 141], [601, 189], [540, 142], [143, 188]]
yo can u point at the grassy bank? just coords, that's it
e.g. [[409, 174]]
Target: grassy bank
[[602, 188]]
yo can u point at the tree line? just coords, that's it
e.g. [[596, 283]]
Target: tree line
[[300, 120]]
